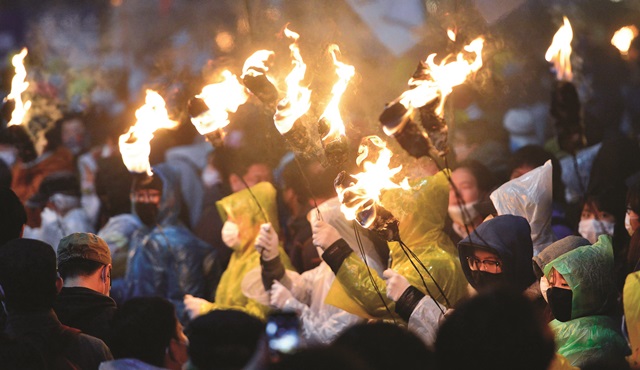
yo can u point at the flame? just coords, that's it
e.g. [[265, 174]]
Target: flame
[[623, 37], [18, 86], [298, 98], [256, 64], [451, 34], [135, 144], [559, 53], [221, 98], [332, 112], [442, 78], [375, 178]]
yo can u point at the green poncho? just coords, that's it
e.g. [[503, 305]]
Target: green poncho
[[590, 337]]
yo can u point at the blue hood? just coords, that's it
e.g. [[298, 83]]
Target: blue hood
[[169, 207], [510, 238]]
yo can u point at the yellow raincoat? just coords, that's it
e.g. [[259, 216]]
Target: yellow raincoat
[[421, 212], [631, 300], [242, 209]]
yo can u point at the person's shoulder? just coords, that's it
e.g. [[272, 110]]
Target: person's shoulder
[[88, 352]]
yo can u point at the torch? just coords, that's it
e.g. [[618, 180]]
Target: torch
[[416, 118], [360, 193], [297, 101], [254, 76], [622, 39], [209, 110], [135, 144], [18, 86], [330, 126], [565, 103], [15, 130]]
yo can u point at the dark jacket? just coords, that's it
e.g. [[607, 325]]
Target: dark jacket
[[62, 347], [167, 260], [510, 238], [85, 309]]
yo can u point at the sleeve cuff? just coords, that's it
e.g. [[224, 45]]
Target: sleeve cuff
[[335, 255], [271, 270], [408, 302]]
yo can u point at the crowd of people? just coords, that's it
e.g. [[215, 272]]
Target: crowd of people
[[526, 259]]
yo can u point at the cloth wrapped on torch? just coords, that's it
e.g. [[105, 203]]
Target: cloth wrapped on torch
[[360, 193], [254, 77], [209, 110], [135, 145], [297, 101], [565, 102], [416, 118]]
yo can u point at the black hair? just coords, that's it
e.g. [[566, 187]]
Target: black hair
[[142, 328], [633, 196], [28, 275], [223, 339], [78, 267], [20, 138], [535, 156], [484, 178], [380, 344], [495, 330], [321, 358], [12, 216]]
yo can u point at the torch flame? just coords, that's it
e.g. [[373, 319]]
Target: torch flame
[[298, 98], [135, 144], [18, 86], [559, 53], [332, 112], [442, 78], [221, 99], [375, 178], [623, 37], [256, 64], [451, 34]]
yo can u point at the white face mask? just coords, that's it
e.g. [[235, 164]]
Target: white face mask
[[210, 176], [627, 223], [8, 157], [231, 235], [591, 228], [463, 215], [544, 286]]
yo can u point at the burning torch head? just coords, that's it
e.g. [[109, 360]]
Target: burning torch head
[[396, 121], [254, 76], [198, 112], [368, 213]]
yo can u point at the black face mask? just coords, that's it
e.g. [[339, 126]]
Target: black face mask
[[560, 303], [483, 280], [147, 212]]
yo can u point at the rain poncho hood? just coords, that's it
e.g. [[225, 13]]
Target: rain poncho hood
[[588, 270], [170, 203], [509, 237], [245, 211], [421, 213], [555, 250], [590, 338], [529, 196], [631, 300]]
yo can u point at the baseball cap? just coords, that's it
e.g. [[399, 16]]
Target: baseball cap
[[84, 246]]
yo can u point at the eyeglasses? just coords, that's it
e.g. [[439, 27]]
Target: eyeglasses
[[489, 265]]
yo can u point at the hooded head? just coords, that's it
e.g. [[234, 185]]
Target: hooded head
[[508, 237], [166, 211], [588, 271]]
